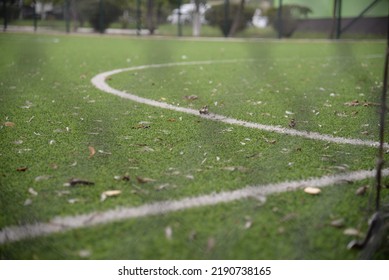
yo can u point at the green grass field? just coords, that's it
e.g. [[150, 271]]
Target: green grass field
[[55, 126]]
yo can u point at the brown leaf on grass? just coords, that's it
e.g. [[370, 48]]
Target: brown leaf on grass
[[171, 120], [367, 104], [9, 124], [352, 103], [74, 181], [143, 180], [204, 110], [92, 151], [123, 178], [109, 193], [22, 168], [191, 97]]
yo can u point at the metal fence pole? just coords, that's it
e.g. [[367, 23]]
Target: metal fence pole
[[338, 10], [5, 11], [179, 25], [67, 15], [35, 16], [101, 16], [226, 18], [280, 20], [138, 17]]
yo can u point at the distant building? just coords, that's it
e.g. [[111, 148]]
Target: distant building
[[321, 18]]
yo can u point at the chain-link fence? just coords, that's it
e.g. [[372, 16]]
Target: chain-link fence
[[229, 18]]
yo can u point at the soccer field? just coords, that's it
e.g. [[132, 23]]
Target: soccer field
[[137, 148]]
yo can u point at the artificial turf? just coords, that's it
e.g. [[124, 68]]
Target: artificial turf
[[52, 116]]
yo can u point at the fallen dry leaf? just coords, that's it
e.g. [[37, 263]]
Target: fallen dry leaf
[[211, 244], [312, 191], [123, 178], [361, 190], [270, 141], [92, 151], [204, 110], [27, 202], [236, 168], [22, 168], [168, 232], [84, 253], [292, 123], [248, 223], [352, 103], [109, 193], [144, 180], [351, 232], [337, 223], [32, 192], [42, 178], [9, 124], [366, 104], [142, 125], [191, 97], [74, 181]]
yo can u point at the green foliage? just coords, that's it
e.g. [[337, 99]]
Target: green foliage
[[101, 14], [290, 18], [216, 17]]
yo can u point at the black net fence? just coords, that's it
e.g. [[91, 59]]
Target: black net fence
[[228, 18]]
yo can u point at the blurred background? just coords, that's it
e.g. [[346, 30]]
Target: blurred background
[[356, 19]]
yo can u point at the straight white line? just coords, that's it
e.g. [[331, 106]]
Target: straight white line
[[63, 224], [99, 81]]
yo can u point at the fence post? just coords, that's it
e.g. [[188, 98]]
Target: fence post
[[226, 18], [280, 21], [179, 31], [67, 15], [338, 8], [138, 17], [101, 16]]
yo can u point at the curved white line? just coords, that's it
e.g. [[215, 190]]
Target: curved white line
[[99, 81], [63, 224]]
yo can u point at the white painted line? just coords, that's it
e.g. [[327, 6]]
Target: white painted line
[[63, 224], [99, 81]]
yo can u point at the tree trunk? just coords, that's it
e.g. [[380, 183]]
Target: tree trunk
[[74, 14], [150, 18], [237, 19], [196, 20]]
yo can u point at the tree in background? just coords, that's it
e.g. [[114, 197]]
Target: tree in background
[[231, 23], [290, 15]]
